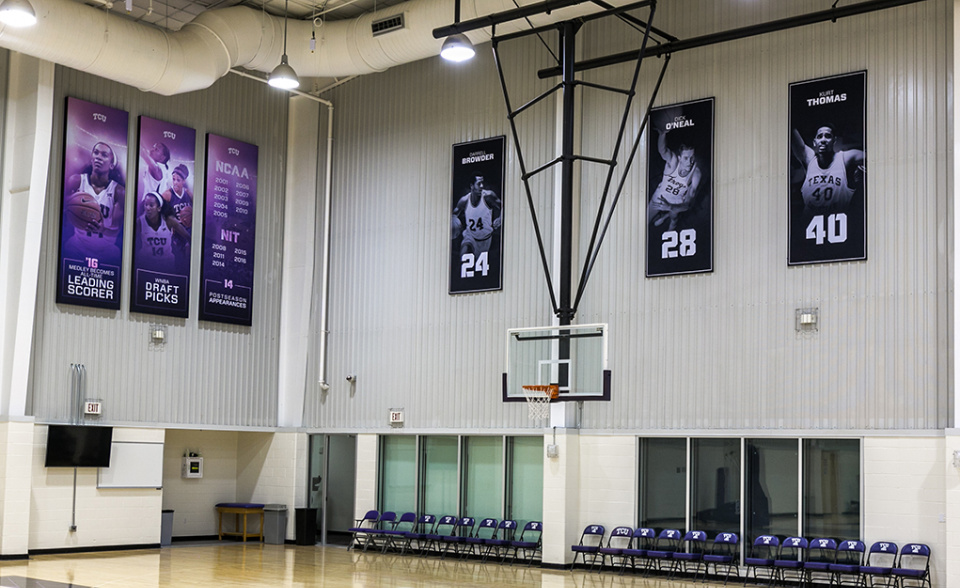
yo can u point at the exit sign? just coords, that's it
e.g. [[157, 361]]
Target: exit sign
[[92, 408], [396, 417]]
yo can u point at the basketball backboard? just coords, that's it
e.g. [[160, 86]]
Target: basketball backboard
[[574, 357]]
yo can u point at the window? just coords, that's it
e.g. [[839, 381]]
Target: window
[[715, 485], [438, 478], [398, 473], [831, 488], [482, 477], [772, 493], [663, 476], [524, 479]]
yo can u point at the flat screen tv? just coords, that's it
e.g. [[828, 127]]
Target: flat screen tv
[[79, 446]]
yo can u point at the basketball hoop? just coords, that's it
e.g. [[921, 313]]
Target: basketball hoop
[[538, 400]]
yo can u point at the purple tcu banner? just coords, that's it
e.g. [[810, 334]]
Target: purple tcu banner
[[91, 213], [164, 219], [229, 231]]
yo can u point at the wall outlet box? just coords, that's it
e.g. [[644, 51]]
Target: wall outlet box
[[553, 450], [192, 467]]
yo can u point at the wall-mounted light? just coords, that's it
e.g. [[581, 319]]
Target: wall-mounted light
[[283, 76], [807, 320], [17, 13]]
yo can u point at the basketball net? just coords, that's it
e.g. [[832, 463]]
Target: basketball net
[[538, 400]]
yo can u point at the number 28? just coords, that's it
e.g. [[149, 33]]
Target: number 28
[[682, 244]]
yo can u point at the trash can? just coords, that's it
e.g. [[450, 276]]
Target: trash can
[[166, 528], [274, 523], [306, 526]]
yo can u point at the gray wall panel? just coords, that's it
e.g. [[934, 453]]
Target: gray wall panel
[[208, 374], [714, 351]]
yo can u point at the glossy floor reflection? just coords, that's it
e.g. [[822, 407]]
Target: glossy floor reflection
[[236, 564]]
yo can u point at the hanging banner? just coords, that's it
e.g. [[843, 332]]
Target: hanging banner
[[229, 231], [91, 213], [680, 189], [828, 188], [476, 224], [164, 219]]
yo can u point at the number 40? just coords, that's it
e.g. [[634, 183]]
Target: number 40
[[835, 230]]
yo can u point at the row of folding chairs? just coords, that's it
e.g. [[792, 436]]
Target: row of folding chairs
[[838, 563], [668, 551], [461, 536]]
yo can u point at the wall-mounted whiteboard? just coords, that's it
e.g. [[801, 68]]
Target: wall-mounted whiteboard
[[133, 465]]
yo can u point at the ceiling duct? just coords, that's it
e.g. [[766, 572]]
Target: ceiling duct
[[205, 49], [387, 25]]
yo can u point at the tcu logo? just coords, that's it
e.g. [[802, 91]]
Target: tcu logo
[[851, 544], [647, 532], [99, 117], [671, 534], [622, 532], [914, 549], [767, 539], [233, 151], [169, 135], [727, 536], [795, 541], [448, 520], [509, 525], [593, 529], [697, 535], [823, 542], [534, 526], [884, 547]]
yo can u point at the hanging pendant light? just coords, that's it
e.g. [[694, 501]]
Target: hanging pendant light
[[283, 76], [17, 13], [457, 47]]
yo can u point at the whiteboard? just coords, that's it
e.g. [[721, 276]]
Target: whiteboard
[[133, 465]]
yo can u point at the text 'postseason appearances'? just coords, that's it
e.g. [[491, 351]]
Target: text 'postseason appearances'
[[91, 212], [229, 231], [476, 237], [679, 216], [828, 183]]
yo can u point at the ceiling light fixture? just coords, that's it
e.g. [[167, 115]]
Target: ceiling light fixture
[[457, 47], [282, 76], [17, 13]]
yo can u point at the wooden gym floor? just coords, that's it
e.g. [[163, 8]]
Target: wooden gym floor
[[227, 564]]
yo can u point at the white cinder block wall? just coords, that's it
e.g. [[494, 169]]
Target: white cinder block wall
[[16, 473], [267, 471], [104, 517], [608, 481], [193, 500], [366, 489], [904, 495]]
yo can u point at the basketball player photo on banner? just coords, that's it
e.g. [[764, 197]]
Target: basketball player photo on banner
[[680, 189], [164, 219], [476, 222], [91, 215], [229, 231], [828, 183]]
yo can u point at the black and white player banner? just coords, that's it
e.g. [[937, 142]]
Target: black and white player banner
[[828, 188], [680, 189], [476, 233]]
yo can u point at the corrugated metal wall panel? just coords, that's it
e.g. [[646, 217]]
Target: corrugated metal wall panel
[[208, 374], [714, 351], [392, 322], [719, 350]]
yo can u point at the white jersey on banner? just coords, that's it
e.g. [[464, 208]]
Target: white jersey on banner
[[825, 189], [479, 224], [156, 246]]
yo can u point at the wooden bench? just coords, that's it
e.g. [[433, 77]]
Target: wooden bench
[[237, 509]]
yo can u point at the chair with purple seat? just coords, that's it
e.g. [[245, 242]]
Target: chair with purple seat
[[530, 542], [392, 537], [458, 536], [591, 540], [386, 522], [722, 554], [668, 543], [881, 559], [790, 559], [821, 552], [421, 529], [477, 543], [363, 526], [643, 541], [619, 539], [499, 544], [846, 568], [443, 527], [762, 554], [692, 554], [913, 567]]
